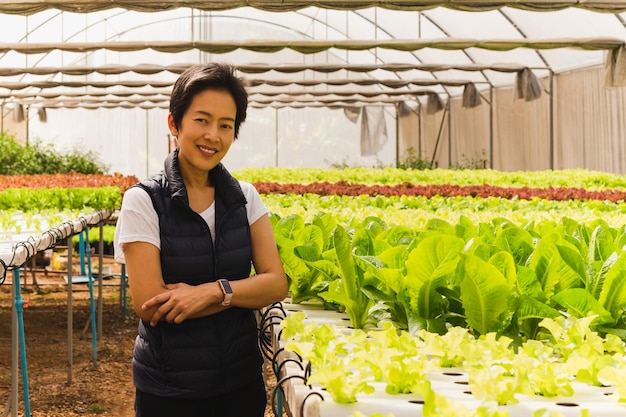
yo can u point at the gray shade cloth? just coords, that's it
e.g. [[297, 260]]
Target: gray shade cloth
[[26, 7], [315, 46]]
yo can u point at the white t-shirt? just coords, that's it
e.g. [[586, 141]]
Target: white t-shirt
[[138, 221]]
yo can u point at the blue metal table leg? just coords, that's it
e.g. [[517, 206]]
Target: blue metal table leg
[[19, 309], [94, 334]]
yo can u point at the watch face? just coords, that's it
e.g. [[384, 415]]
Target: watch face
[[226, 286]]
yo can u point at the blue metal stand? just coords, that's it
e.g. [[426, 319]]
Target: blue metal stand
[[81, 252], [94, 334], [19, 310]]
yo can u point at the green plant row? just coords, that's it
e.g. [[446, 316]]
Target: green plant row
[[34, 200], [488, 277], [416, 212], [412, 212], [16, 222], [108, 235], [349, 364], [578, 178]]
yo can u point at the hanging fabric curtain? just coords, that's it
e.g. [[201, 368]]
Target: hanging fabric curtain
[[471, 97], [373, 130], [352, 113], [18, 113], [433, 103], [527, 85], [616, 68], [404, 109], [43, 116]]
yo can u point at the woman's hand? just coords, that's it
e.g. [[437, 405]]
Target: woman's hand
[[183, 301]]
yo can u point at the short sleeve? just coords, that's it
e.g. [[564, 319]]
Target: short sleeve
[[137, 222], [255, 206]]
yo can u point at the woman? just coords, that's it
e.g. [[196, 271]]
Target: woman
[[189, 237]]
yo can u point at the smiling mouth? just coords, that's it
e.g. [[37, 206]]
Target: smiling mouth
[[208, 151]]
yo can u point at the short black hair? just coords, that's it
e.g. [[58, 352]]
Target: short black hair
[[212, 76]]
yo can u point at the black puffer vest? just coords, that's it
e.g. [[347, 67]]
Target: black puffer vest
[[211, 355]]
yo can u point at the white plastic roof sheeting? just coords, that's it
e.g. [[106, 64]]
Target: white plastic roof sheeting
[[298, 54], [557, 41]]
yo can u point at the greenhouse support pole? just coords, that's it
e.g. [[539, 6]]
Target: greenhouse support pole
[[19, 309], [100, 260], [441, 125], [27, 127], [147, 147], [490, 126], [397, 138], [15, 357], [420, 131], [81, 252], [276, 137], [551, 110], [449, 132], [94, 336], [70, 318]]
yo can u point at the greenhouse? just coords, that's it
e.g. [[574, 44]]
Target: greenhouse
[[512, 85], [444, 179]]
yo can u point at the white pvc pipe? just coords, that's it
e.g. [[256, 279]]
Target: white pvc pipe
[[22, 246]]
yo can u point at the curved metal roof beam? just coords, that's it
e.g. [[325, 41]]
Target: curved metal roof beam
[[438, 26], [83, 29], [305, 47], [275, 24], [234, 17], [370, 21], [118, 34], [224, 16], [30, 31], [521, 32], [335, 28], [376, 28], [620, 18]]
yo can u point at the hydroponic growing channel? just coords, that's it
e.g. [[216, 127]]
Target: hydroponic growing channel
[[442, 390], [29, 235]]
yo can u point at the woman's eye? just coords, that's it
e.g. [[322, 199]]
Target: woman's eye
[[227, 126], [201, 121]]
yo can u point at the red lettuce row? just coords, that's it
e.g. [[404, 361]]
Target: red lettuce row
[[345, 188], [73, 180]]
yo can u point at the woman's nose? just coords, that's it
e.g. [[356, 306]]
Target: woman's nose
[[210, 132]]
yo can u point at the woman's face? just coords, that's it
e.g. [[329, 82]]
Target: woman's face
[[207, 129]]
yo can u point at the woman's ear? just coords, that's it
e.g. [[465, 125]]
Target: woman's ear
[[172, 125]]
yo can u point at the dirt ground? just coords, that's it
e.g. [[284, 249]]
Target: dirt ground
[[100, 388]]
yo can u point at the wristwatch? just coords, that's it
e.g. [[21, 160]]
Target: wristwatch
[[227, 290]]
